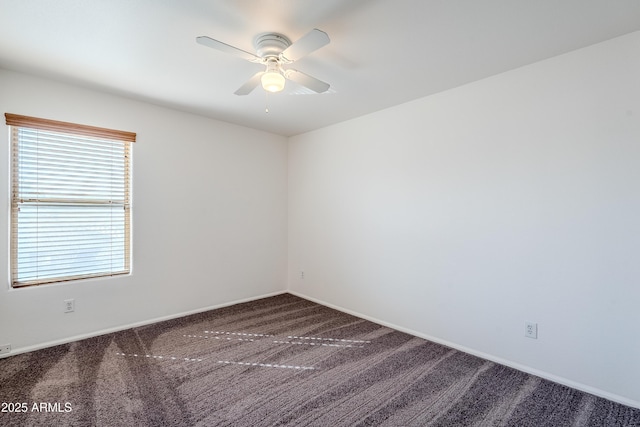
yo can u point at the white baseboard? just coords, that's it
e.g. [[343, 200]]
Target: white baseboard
[[529, 370], [19, 350]]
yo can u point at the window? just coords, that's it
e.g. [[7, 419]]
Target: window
[[70, 201]]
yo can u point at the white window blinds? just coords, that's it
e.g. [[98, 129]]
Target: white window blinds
[[70, 204]]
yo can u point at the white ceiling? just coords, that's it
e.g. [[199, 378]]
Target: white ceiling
[[382, 52]]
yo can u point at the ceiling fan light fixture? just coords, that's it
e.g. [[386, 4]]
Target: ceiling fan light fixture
[[274, 50], [272, 81]]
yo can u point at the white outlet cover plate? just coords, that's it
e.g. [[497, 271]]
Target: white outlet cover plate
[[531, 330], [69, 305]]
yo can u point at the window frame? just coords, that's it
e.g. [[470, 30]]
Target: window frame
[[68, 131]]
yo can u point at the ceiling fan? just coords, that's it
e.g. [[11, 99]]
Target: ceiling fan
[[274, 51]]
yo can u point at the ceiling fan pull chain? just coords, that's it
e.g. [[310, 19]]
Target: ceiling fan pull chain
[[266, 101]]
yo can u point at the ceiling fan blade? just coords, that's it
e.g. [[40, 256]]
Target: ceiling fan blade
[[223, 47], [306, 80], [311, 41], [250, 85]]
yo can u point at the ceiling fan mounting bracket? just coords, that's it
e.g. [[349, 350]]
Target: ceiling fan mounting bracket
[[270, 44]]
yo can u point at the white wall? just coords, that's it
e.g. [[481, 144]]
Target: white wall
[[462, 215], [209, 217]]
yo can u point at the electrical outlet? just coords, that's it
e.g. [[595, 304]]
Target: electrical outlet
[[69, 305], [531, 330], [5, 348]]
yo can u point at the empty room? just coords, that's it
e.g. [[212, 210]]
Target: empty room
[[320, 213]]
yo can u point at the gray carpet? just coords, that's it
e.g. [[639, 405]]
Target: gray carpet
[[282, 361]]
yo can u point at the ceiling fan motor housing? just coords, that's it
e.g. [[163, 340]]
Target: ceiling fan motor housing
[[270, 44]]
